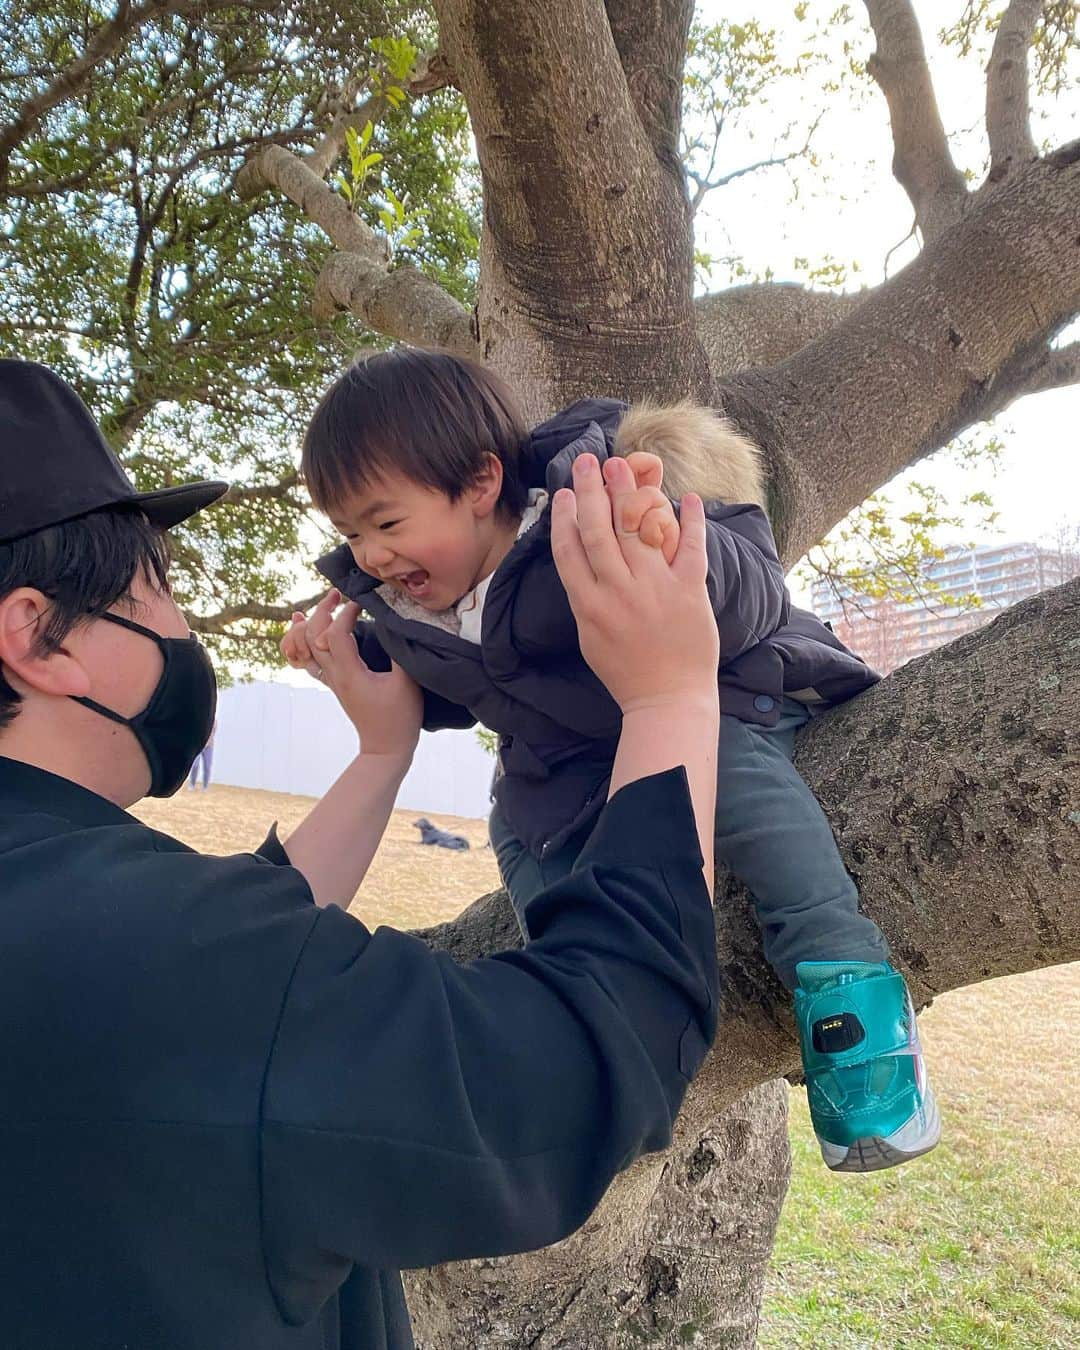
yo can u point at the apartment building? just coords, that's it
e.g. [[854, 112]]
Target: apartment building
[[888, 632]]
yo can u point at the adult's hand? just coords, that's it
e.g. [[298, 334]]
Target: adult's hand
[[647, 629], [385, 708], [646, 626]]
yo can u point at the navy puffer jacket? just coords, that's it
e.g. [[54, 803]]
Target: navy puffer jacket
[[527, 680]]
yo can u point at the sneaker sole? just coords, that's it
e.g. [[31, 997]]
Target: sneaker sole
[[874, 1153]]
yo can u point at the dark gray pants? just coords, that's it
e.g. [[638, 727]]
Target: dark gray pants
[[770, 832]]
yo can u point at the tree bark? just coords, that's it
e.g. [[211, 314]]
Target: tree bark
[[922, 161], [919, 357], [586, 252], [1008, 108], [952, 788]]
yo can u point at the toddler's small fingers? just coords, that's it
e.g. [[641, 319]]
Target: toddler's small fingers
[[651, 530], [647, 468]]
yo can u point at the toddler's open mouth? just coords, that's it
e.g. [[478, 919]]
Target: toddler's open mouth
[[417, 584]]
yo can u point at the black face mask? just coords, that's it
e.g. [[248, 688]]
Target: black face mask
[[176, 723]]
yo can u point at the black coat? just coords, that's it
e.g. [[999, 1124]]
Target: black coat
[[527, 679], [227, 1117]]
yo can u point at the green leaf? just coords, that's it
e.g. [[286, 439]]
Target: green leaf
[[352, 144], [396, 203]]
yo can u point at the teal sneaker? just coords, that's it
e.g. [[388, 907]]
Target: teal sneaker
[[870, 1100]]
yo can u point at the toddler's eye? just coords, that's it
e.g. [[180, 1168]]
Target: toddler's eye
[[389, 524]]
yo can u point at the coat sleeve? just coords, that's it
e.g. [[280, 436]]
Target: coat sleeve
[[419, 1111], [439, 713], [745, 579]]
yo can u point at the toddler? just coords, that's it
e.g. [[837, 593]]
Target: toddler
[[424, 464]]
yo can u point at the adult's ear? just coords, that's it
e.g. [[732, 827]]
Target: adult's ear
[[26, 662], [484, 491]]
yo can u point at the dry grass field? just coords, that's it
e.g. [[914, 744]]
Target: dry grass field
[[976, 1245], [409, 885]]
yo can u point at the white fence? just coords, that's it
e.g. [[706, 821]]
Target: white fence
[[292, 739]]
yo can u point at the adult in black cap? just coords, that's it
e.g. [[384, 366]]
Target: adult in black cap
[[229, 1112]]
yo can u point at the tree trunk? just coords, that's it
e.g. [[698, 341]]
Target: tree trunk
[[688, 1272]]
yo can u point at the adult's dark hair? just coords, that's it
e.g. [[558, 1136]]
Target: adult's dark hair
[[84, 566], [428, 415]]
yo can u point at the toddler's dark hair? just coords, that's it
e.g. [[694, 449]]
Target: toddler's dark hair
[[426, 414]]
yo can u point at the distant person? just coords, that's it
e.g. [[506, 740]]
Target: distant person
[[231, 1113], [204, 760], [424, 463]]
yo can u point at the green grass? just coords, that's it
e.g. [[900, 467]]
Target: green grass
[[978, 1243]]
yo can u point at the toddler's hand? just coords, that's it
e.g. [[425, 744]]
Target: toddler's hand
[[646, 510], [648, 469], [296, 644]]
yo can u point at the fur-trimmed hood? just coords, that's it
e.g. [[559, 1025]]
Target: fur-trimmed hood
[[700, 450]]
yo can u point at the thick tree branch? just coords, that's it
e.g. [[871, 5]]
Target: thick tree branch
[[922, 162], [651, 37], [1033, 370], [888, 385], [402, 303], [760, 325], [950, 788], [1058, 368], [1008, 112], [277, 167]]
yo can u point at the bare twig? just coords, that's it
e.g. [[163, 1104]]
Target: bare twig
[[219, 624]]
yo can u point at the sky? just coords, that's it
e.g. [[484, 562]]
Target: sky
[[861, 214]]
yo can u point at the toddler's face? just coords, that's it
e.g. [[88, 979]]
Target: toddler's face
[[417, 539]]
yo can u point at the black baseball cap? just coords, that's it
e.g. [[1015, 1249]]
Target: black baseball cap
[[55, 464]]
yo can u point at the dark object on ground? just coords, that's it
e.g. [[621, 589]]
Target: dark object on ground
[[431, 834]]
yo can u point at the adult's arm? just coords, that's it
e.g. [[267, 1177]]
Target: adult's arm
[[334, 844], [417, 1111]]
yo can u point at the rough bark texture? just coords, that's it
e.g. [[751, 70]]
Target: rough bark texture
[[586, 253], [954, 791], [922, 161], [654, 1283], [920, 355], [1008, 110]]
